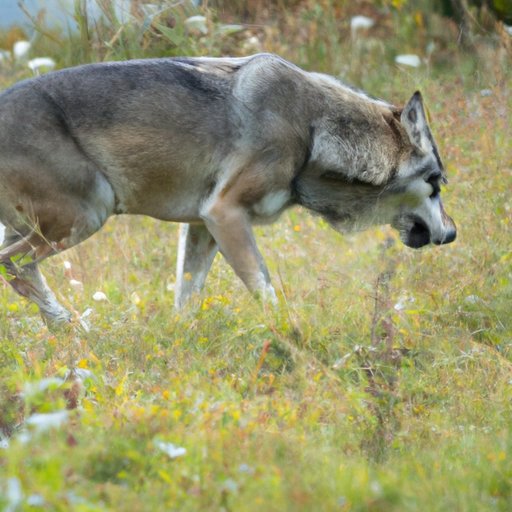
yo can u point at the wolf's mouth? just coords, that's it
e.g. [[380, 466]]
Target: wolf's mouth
[[414, 232], [417, 235]]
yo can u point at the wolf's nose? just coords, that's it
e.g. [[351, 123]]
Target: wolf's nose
[[449, 236], [450, 230]]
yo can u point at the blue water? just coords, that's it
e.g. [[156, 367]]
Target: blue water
[[56, 11]]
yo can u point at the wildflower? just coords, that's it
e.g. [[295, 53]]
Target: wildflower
[[197, 25], [245, 468], [229, 485], [46, 421], [13, 494], [79, 373], [375, 487], [252, 45], [20, 49], [408, 60], [99, 296], [41, 63], [170, 449], [32, 388], [360, 22], [35, 500], [83, 319]]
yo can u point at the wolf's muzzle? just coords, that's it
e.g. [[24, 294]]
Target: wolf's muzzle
[[450, 233], [418, 235], [450, 230]]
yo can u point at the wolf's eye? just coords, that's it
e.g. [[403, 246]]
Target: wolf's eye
[[433, 180]]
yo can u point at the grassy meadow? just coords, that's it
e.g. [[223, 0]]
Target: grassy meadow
[[383, 382]]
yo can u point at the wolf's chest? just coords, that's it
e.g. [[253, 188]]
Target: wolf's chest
[[271, 205]]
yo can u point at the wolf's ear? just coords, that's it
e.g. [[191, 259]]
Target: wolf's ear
[[414, 120]]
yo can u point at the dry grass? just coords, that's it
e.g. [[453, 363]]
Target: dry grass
[[382, 383]]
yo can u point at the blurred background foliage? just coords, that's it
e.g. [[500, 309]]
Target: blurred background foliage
[[313, 33]]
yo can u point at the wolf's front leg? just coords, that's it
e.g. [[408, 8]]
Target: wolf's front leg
[[196, 251], [231, 227]]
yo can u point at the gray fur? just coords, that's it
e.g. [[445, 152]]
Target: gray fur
[[216, 143]]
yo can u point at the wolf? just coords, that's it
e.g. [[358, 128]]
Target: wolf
[[216, 144]]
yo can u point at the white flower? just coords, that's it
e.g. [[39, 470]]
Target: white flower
[[376, 487], [400, 305], [83, 319], [35, 500], [21, 49], [229, 485], [245, 468], [99, 296], [197, 24], [408, 60], [46, 421], [358, 22], [14, 494], [252, 44], [170, 449], [79, 373], [32, 388], [23, 436], [41, 63]]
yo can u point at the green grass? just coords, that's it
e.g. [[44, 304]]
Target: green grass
[[337, 401]]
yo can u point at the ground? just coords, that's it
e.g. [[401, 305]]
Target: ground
[[382, 382]]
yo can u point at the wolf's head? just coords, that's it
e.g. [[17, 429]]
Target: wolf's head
[[373, 164], [421, 218]]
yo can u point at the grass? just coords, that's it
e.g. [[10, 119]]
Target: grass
[[382, 383]]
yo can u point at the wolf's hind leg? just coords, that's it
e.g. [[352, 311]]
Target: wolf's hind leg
[[30, 283], [26, 279], [20, 257], [196, 251], [77, 221]]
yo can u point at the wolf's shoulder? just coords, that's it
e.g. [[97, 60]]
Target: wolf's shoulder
[[270, 64]]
